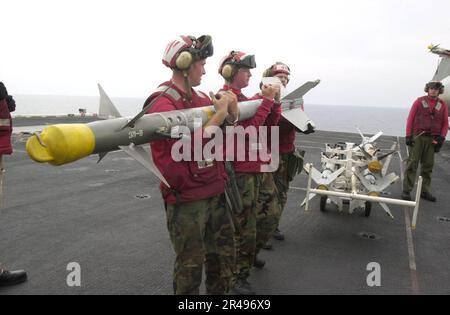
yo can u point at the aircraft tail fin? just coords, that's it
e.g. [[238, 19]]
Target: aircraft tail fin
[[443, 69]]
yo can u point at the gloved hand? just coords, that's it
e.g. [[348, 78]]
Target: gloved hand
[[270, 91], [409, 140], [440, 141]]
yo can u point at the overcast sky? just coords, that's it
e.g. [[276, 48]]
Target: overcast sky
[[366, 52]]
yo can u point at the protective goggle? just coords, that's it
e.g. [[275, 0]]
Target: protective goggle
[[202, 47], [247, 62]]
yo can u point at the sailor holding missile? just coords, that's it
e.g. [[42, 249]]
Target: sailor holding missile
[[257, 188], [200, 227], [291, 160]]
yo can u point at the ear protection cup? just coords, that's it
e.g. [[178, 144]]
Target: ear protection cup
[[228, 71], [184, 60]]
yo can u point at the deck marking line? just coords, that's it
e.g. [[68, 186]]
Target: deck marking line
[[409, 237]]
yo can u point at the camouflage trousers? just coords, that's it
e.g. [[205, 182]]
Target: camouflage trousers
[[268, 210], [281, 178], [245, 224], [421, 153], [258, 220], [202, 233]]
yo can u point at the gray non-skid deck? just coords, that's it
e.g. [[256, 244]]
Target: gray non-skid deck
[[109, 218]]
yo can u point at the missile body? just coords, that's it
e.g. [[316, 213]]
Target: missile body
[[65, 143]]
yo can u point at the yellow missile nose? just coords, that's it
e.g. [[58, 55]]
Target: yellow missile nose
[[61, 144]]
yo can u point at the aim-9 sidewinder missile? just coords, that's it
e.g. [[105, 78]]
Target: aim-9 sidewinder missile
[[65, 143]]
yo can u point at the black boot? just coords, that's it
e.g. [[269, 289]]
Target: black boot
[[278, 235], [242, 287], [428, 196], [8, 278], [406, 195], [267, 246], [259, 263]]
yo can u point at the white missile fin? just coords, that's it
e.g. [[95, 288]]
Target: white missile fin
[[386, 181], [106, 109], [145, 158], [332, 177], [311, 196], [365, 182], [298, 118], [362, 135], [302, 90], [388, 160], [101, 156], [386, 165], [381, 184], [375, 137], [386, 209], [315, 174]]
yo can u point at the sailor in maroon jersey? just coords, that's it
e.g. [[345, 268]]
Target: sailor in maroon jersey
[[426, 129], [256, 187], [199, 223]]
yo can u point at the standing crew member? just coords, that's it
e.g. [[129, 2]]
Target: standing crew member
[[291, 160], [201, 229], [235, 69], [7, 105], [426, 130]]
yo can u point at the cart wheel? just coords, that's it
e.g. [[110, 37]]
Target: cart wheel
[[323, 203], [367, 209]]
